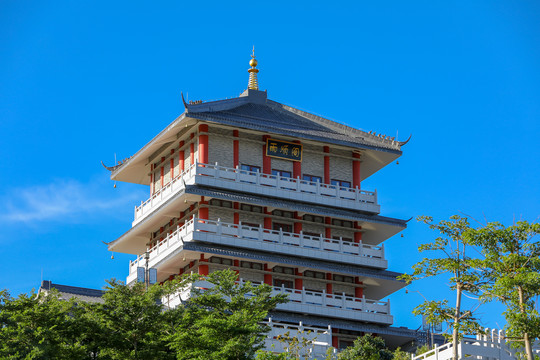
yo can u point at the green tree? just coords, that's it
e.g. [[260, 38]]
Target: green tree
[[224, 320], [454, 259], [39, 326], [131, 322], [511, 269], [366, 347]]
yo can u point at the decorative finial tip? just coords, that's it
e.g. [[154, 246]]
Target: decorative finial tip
[[253, 62]]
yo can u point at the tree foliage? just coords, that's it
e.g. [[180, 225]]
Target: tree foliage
[[222, 322], [450, 255], [367, 347], [511, 271]]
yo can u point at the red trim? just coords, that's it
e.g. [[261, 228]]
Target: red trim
[[236, 150], [356, 171], [203, 144], [267, 160], [192, 153], [203, 270], [181, 159], [326, 166], [268, 223], [151, 179]]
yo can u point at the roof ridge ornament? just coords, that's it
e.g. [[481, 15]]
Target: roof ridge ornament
[[253, 83]]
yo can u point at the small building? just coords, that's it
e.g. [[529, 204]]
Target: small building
[[274, 193]]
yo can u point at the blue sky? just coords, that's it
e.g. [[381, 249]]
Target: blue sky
[[81, 81]]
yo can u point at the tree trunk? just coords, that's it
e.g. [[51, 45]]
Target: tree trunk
[[455, 333], [526, 340]]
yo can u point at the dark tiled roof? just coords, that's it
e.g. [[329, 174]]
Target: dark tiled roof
[[256, 112], [74, 290]]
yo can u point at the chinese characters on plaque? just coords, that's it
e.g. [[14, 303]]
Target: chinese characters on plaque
[[283, 150]]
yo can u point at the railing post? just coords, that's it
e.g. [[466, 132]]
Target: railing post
[[341, 245], [321, 242], [219, 230], [236, 174], [280, 238], [382, 251], [363, 303], [360, 248], [301, 239], [239, 229], [375, 197], [343, 302], [388, 306], [324, 298]]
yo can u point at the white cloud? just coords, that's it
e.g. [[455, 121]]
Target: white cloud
[[65, 200]]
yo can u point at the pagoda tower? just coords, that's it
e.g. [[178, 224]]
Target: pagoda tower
[[275, 194]]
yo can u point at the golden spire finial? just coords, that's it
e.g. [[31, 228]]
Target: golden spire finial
[[253, 83]]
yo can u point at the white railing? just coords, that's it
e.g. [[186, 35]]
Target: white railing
[[259, 183], [490, 346], [266, 239], [320, 339], [336, 301]]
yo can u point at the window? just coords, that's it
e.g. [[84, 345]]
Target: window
[[314, 274], [222, 203], [342, 278], [342, 223], [251, 208], [287, 214], [282, 173], [251, 168], [313, 218], [341, 183], [312, 178], [220, 260], [283, 227], [285, 283], [251, 265], [283, 270]]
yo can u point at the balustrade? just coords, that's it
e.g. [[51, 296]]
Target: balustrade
[[266, 239], [259, 183]]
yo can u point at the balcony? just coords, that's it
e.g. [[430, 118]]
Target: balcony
[[314, 302], [258, 238], [261, 184]]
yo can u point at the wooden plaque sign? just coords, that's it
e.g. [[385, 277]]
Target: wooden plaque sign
[[283, 150]]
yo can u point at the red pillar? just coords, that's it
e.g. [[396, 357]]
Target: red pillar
[[356, 170], [358, 292], [162, 171], [298, 282], [236, 150], [329, 285], [326, 166], [192, 150], [181, 155], [236, 218], [268, 223], [203, 270], [203, 144], [267, 160], [297, 227], [151, 179], [268, 279], [358, 233], [203, 213], [335, 340], [297, 167], [328, 230], [172, 164]]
